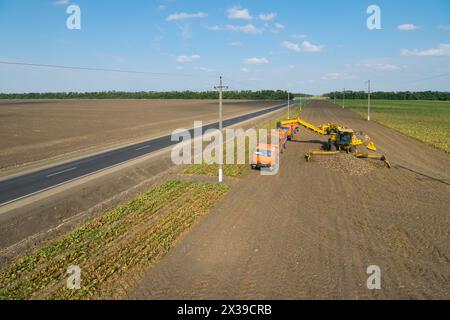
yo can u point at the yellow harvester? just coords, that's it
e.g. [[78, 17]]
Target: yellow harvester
[[341, 139]]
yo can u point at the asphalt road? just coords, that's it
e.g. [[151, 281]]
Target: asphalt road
[[31, 183]]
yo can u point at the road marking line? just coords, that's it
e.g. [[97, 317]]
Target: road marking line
[[63, 171], [273, 109], [144, 147]]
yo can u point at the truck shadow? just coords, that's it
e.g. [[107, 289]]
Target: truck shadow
[[319, 142]]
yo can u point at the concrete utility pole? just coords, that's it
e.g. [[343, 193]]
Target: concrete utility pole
[[220, 88], [368, 101], [343, 99], [289, 105]]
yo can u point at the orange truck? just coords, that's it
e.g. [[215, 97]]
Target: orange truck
[[290, 129], [267, 155]]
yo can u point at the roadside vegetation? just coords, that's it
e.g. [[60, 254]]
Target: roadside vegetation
[[112, 248], [427, 121]]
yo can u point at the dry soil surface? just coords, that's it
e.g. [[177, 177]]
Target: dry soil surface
[[311, 231], [38, 132]]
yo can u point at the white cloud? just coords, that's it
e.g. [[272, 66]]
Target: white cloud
[[238, 13], [309, 47], [62, 2], [440, 51], [267, 16], [188, 58], [248, 28], [291, 46], [444, 27], [161, 7], [236, 44], [331, 76], [206, 69], [378, 66], [245, 70], [280, 26], [215, 28], [387, 67], [179, 68], [256, 61], [407, 27], [185, 31], [335, 76], [183, 16], [298, 36]]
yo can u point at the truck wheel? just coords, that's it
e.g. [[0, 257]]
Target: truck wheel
[[333, 147]]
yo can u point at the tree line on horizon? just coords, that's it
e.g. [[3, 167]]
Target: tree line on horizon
[[231, 95], [400, 95]]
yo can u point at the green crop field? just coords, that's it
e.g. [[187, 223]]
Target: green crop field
[[113, 246], [428, 121]]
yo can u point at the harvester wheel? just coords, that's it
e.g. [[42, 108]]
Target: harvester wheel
[[333, 147]]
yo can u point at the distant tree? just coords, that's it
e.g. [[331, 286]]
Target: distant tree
[[400, 95], [235, 95]]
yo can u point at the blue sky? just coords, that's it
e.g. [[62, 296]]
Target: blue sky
[[305, 46]]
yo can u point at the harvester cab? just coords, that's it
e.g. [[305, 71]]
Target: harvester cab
[[342, 140]]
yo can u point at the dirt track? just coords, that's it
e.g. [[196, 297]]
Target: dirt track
[[311, 232], [38, 132]]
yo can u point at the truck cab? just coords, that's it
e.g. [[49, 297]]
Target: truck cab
[[265, 156], [288, 130]]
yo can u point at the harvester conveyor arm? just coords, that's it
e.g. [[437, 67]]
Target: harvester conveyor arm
[[305, 124]]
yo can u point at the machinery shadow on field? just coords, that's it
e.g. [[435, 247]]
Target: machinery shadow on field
[[423, 175], [309, 141], [323, 144]]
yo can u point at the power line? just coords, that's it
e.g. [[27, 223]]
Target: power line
[[427, 78], [418, 80], [53, 66]]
